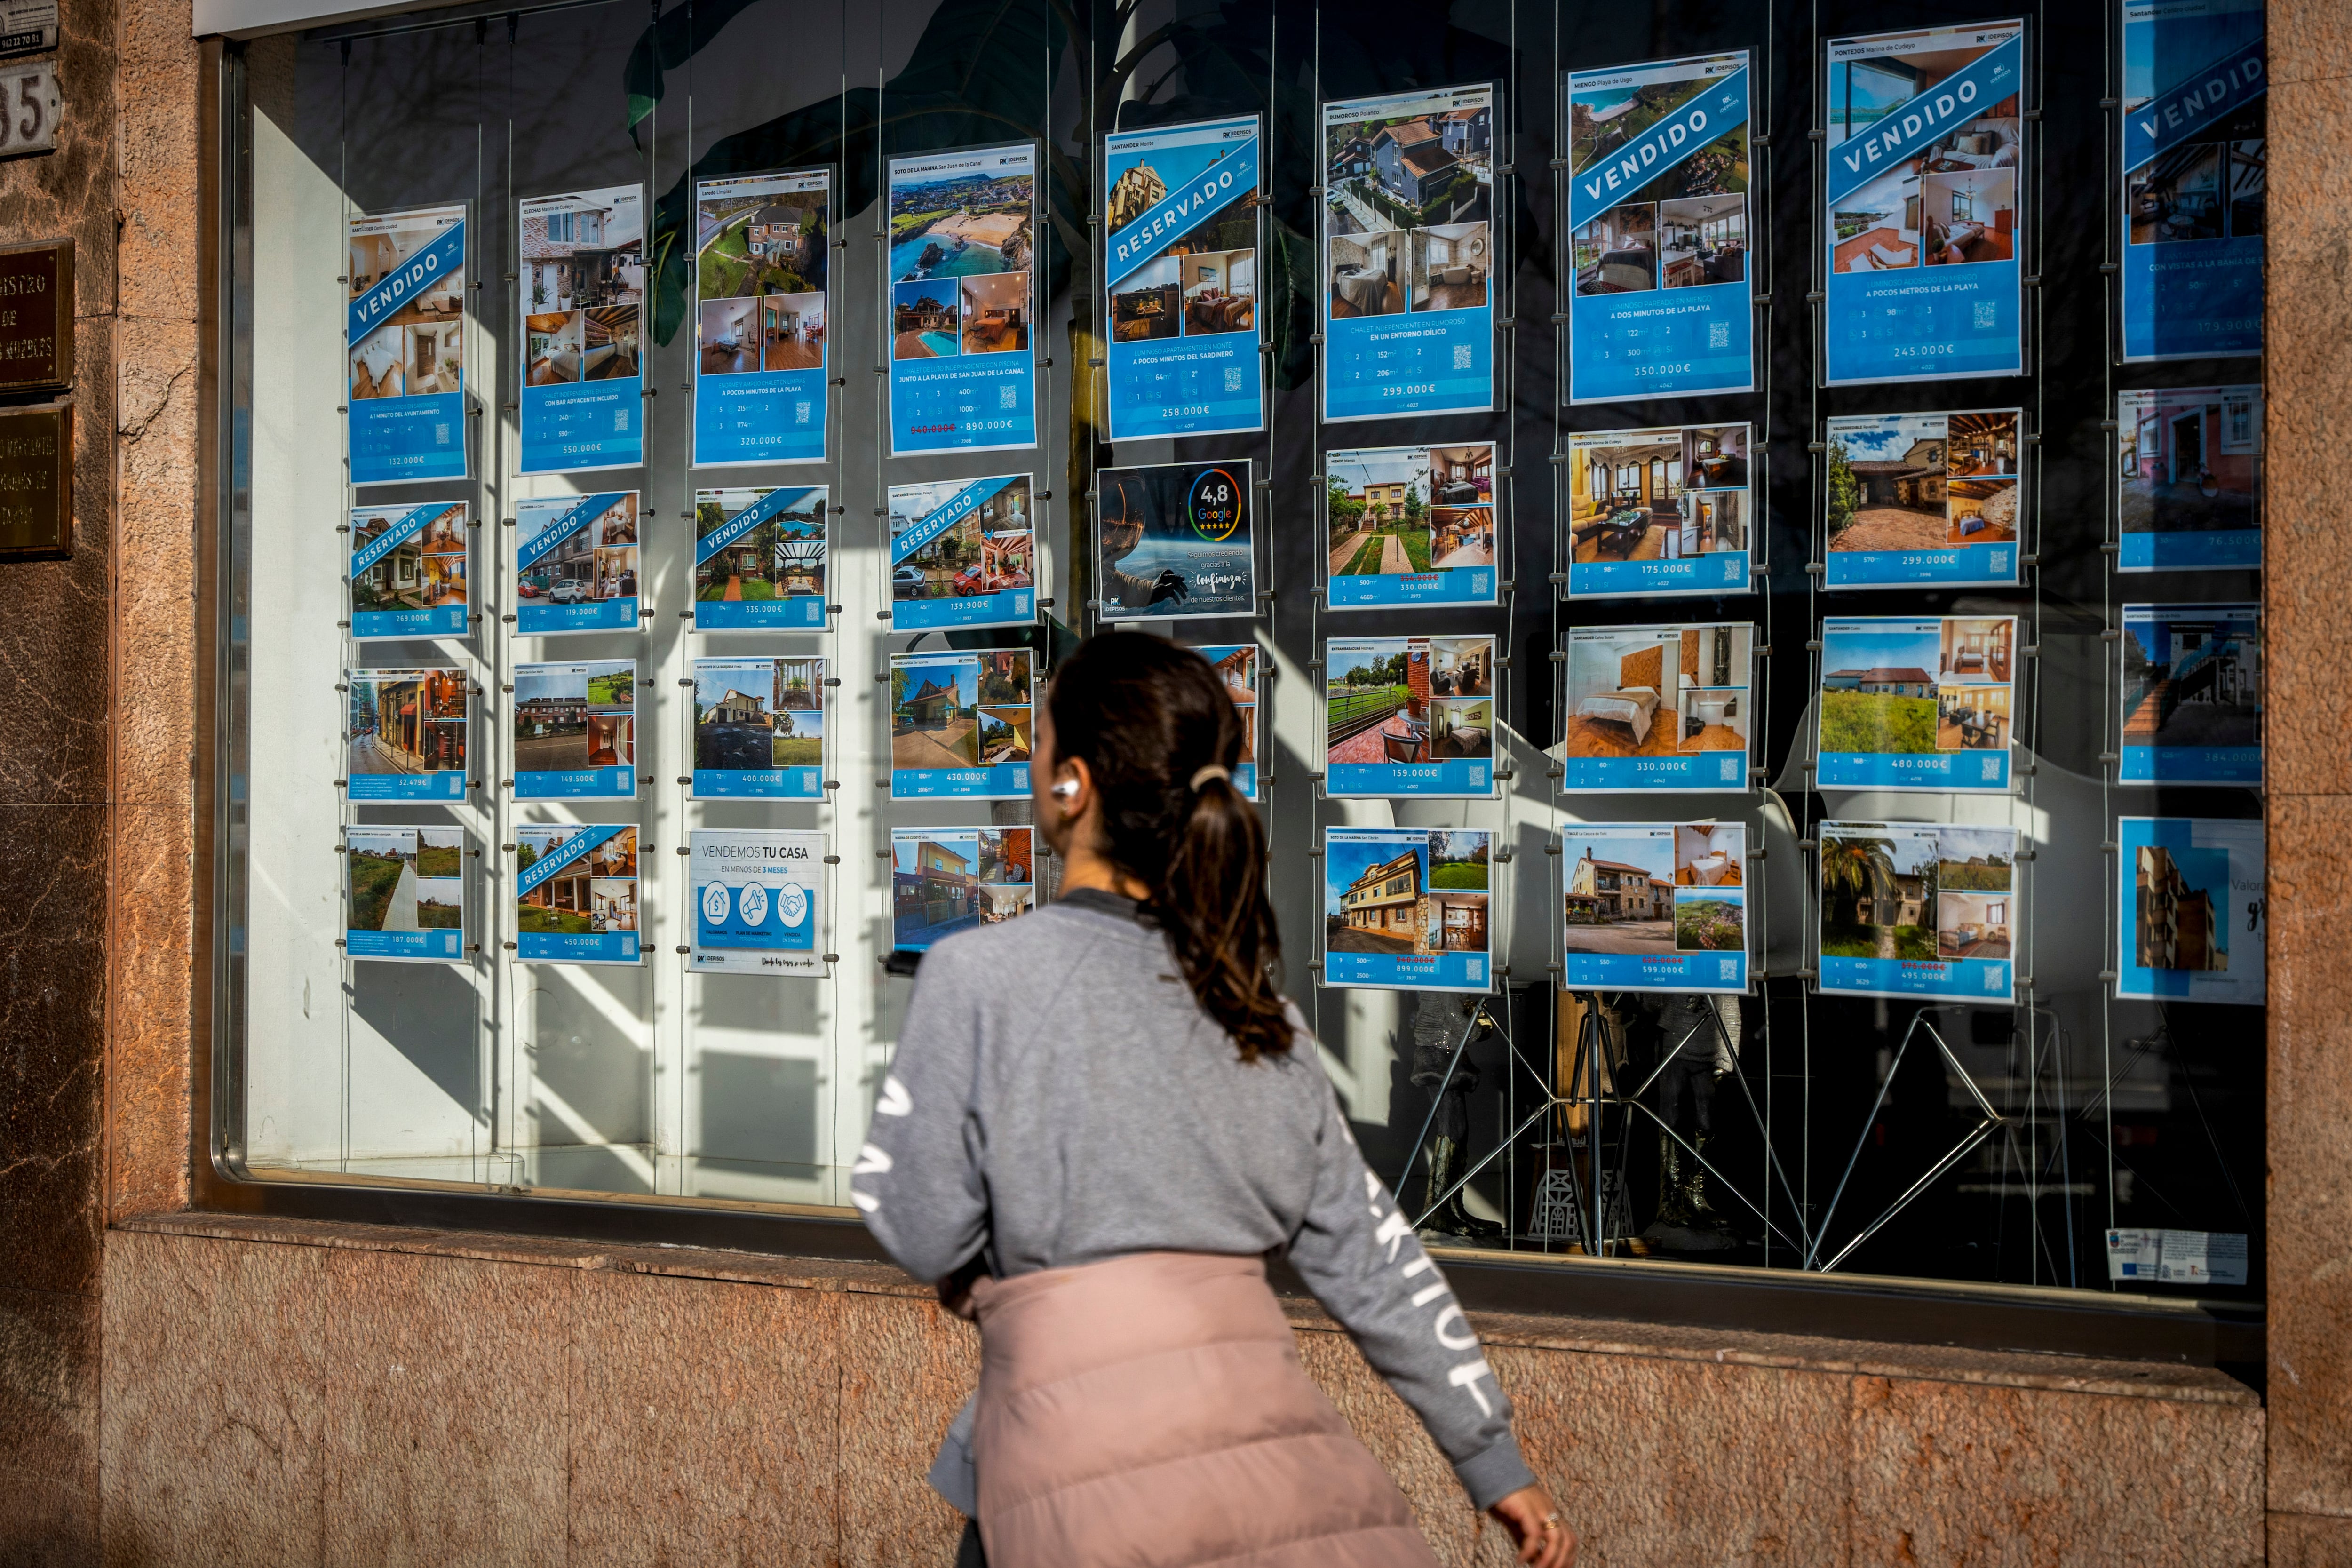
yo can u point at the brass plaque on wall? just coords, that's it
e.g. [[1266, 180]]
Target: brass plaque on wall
[[36, 316], [37, 483]]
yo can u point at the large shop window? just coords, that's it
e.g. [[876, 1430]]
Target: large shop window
[[1736, 531]]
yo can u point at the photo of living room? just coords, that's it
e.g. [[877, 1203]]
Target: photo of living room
[[1617, 253], [1450, 266], [995, 312], [1877, 227], [1365, 270], [1145, 305], [1968, 216], [1219, 291], [1977, 651], [2206, 190], [1637, 495], [1705, 240], [1971, 718], [792, 332]]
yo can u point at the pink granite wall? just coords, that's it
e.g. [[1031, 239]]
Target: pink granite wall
[[297, 1393]]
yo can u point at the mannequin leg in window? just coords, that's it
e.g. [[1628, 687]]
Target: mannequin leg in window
[[1683, 1099], [1437, 1022]]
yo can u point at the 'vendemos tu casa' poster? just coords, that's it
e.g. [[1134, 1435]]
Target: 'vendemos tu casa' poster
[[1181, 266], [2192, 909], [2192, 695], [405, 893], [408, 738], [1657, 210], [1176, 542], [1408, 716], [964, 235], [1653, 512], [583, 297], [759, 729], [760, 558], [2195, 113], [963, 553], [947, 879], [576, 563], [1916, 908], [762, 245], [1925, 153], [1407, 909], [1659, 708], [2189, 489], [959, 725], [409, 571], [1411, 525], [405, 346], [1653, 906], [1408, 254], [1918, 703], [759, 900], [1923, 498], [576, 894]]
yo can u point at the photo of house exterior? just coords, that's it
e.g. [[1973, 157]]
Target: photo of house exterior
[[1606, 891], [1884, 680], [1412, 162], [2176, 925], [934, 886], [1385, 901]]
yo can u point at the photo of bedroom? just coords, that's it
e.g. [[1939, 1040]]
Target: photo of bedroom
[[730, 336], [1976, 651], [1145, 305], [554, 345], [1617, 253], [1450, 266], [1981, 512], [1709, 854], [1658, 495], [1365, 270], [1971, 718], [1969, 216], [1220, 290], [1971, 925], [996, 307], [1618, 682], [1705, 240]]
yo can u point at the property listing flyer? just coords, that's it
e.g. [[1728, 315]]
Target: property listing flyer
[[1657, 213], [407, 737], [1916, 908], [1180, 255], [963, 234], [959, 725], [1237, 665], [1659, 708], [1652, 906], [1405, 909], [405, 893], [1925, 155], [582, 301], [2178, 1256], [963, 553], [576, 894], [2193, 910], [2195, 115], [1411, 525], [1407, 254], [1408, 716], [1659, 512], [1921, 499], [2192, 695], [409, 571], [759, 729], [405, 346], [2189, 465], [576, 730], [947, 879], [760, 558], [762, 245], [759, 900], [576, 563], [1176, 540], [1918, 703]]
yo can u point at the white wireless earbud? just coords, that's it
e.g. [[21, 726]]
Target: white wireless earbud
[[1066, 789]]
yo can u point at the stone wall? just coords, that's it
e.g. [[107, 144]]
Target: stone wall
[[303, 1393]]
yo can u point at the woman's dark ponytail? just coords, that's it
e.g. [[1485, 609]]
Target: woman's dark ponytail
[[1149, 718]]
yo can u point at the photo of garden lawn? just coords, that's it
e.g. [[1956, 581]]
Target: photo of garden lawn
[[1878, 695], [612, 686], [380, 863], [1708, 921], [1386, 533], [1457, 860], [1878, 893], [440, 878], [800, 739]]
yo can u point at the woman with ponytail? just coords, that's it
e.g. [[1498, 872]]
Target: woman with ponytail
[[1100, 1121]]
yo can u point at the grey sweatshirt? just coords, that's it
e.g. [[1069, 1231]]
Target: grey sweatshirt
[[1059, 1098]]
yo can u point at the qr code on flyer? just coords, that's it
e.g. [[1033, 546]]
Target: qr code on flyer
[[1461, 356]]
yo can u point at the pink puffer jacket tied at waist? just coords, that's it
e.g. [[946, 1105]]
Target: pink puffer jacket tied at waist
[[1151, 1411]]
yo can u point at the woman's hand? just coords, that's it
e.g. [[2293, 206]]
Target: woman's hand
[[1534, 1523]]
